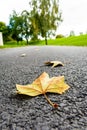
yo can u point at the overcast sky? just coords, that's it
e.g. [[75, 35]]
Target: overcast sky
[[73, 14]]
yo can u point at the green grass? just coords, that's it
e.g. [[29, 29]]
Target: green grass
[[70, 41], [66, 41], [12, 44]]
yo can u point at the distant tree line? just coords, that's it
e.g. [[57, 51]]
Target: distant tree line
[[42, 19]]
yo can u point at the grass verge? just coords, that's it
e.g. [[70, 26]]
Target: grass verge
[[66, 41]]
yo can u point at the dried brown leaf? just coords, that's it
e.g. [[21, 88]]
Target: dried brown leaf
[[42, 85], [54, 63]]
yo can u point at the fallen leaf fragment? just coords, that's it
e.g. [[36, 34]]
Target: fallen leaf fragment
[[23, 55], [54, 63], [37, 49], [42, 85]]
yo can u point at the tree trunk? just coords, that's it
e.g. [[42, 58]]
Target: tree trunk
[[45, 40], [27, 41]]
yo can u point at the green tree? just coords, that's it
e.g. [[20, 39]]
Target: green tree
[[20, 25], [72, 33], [2, 26], [25, 25], [34, 26], [5, 30], [15, 25], [45, 17]]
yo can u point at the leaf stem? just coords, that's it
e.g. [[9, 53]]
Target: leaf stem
[[50, 102]]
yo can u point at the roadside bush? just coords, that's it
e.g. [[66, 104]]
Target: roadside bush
[[59, 36]]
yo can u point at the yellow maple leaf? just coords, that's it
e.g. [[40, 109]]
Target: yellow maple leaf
[[42, 85], [54, 63]]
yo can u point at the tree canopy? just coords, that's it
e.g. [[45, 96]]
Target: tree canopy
[[5, 30], [46, 16], [42, 19]]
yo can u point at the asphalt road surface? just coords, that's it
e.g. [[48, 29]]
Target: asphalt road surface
[[22, 66]]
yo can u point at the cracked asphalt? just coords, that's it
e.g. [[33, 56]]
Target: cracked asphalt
[[25, 64]]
